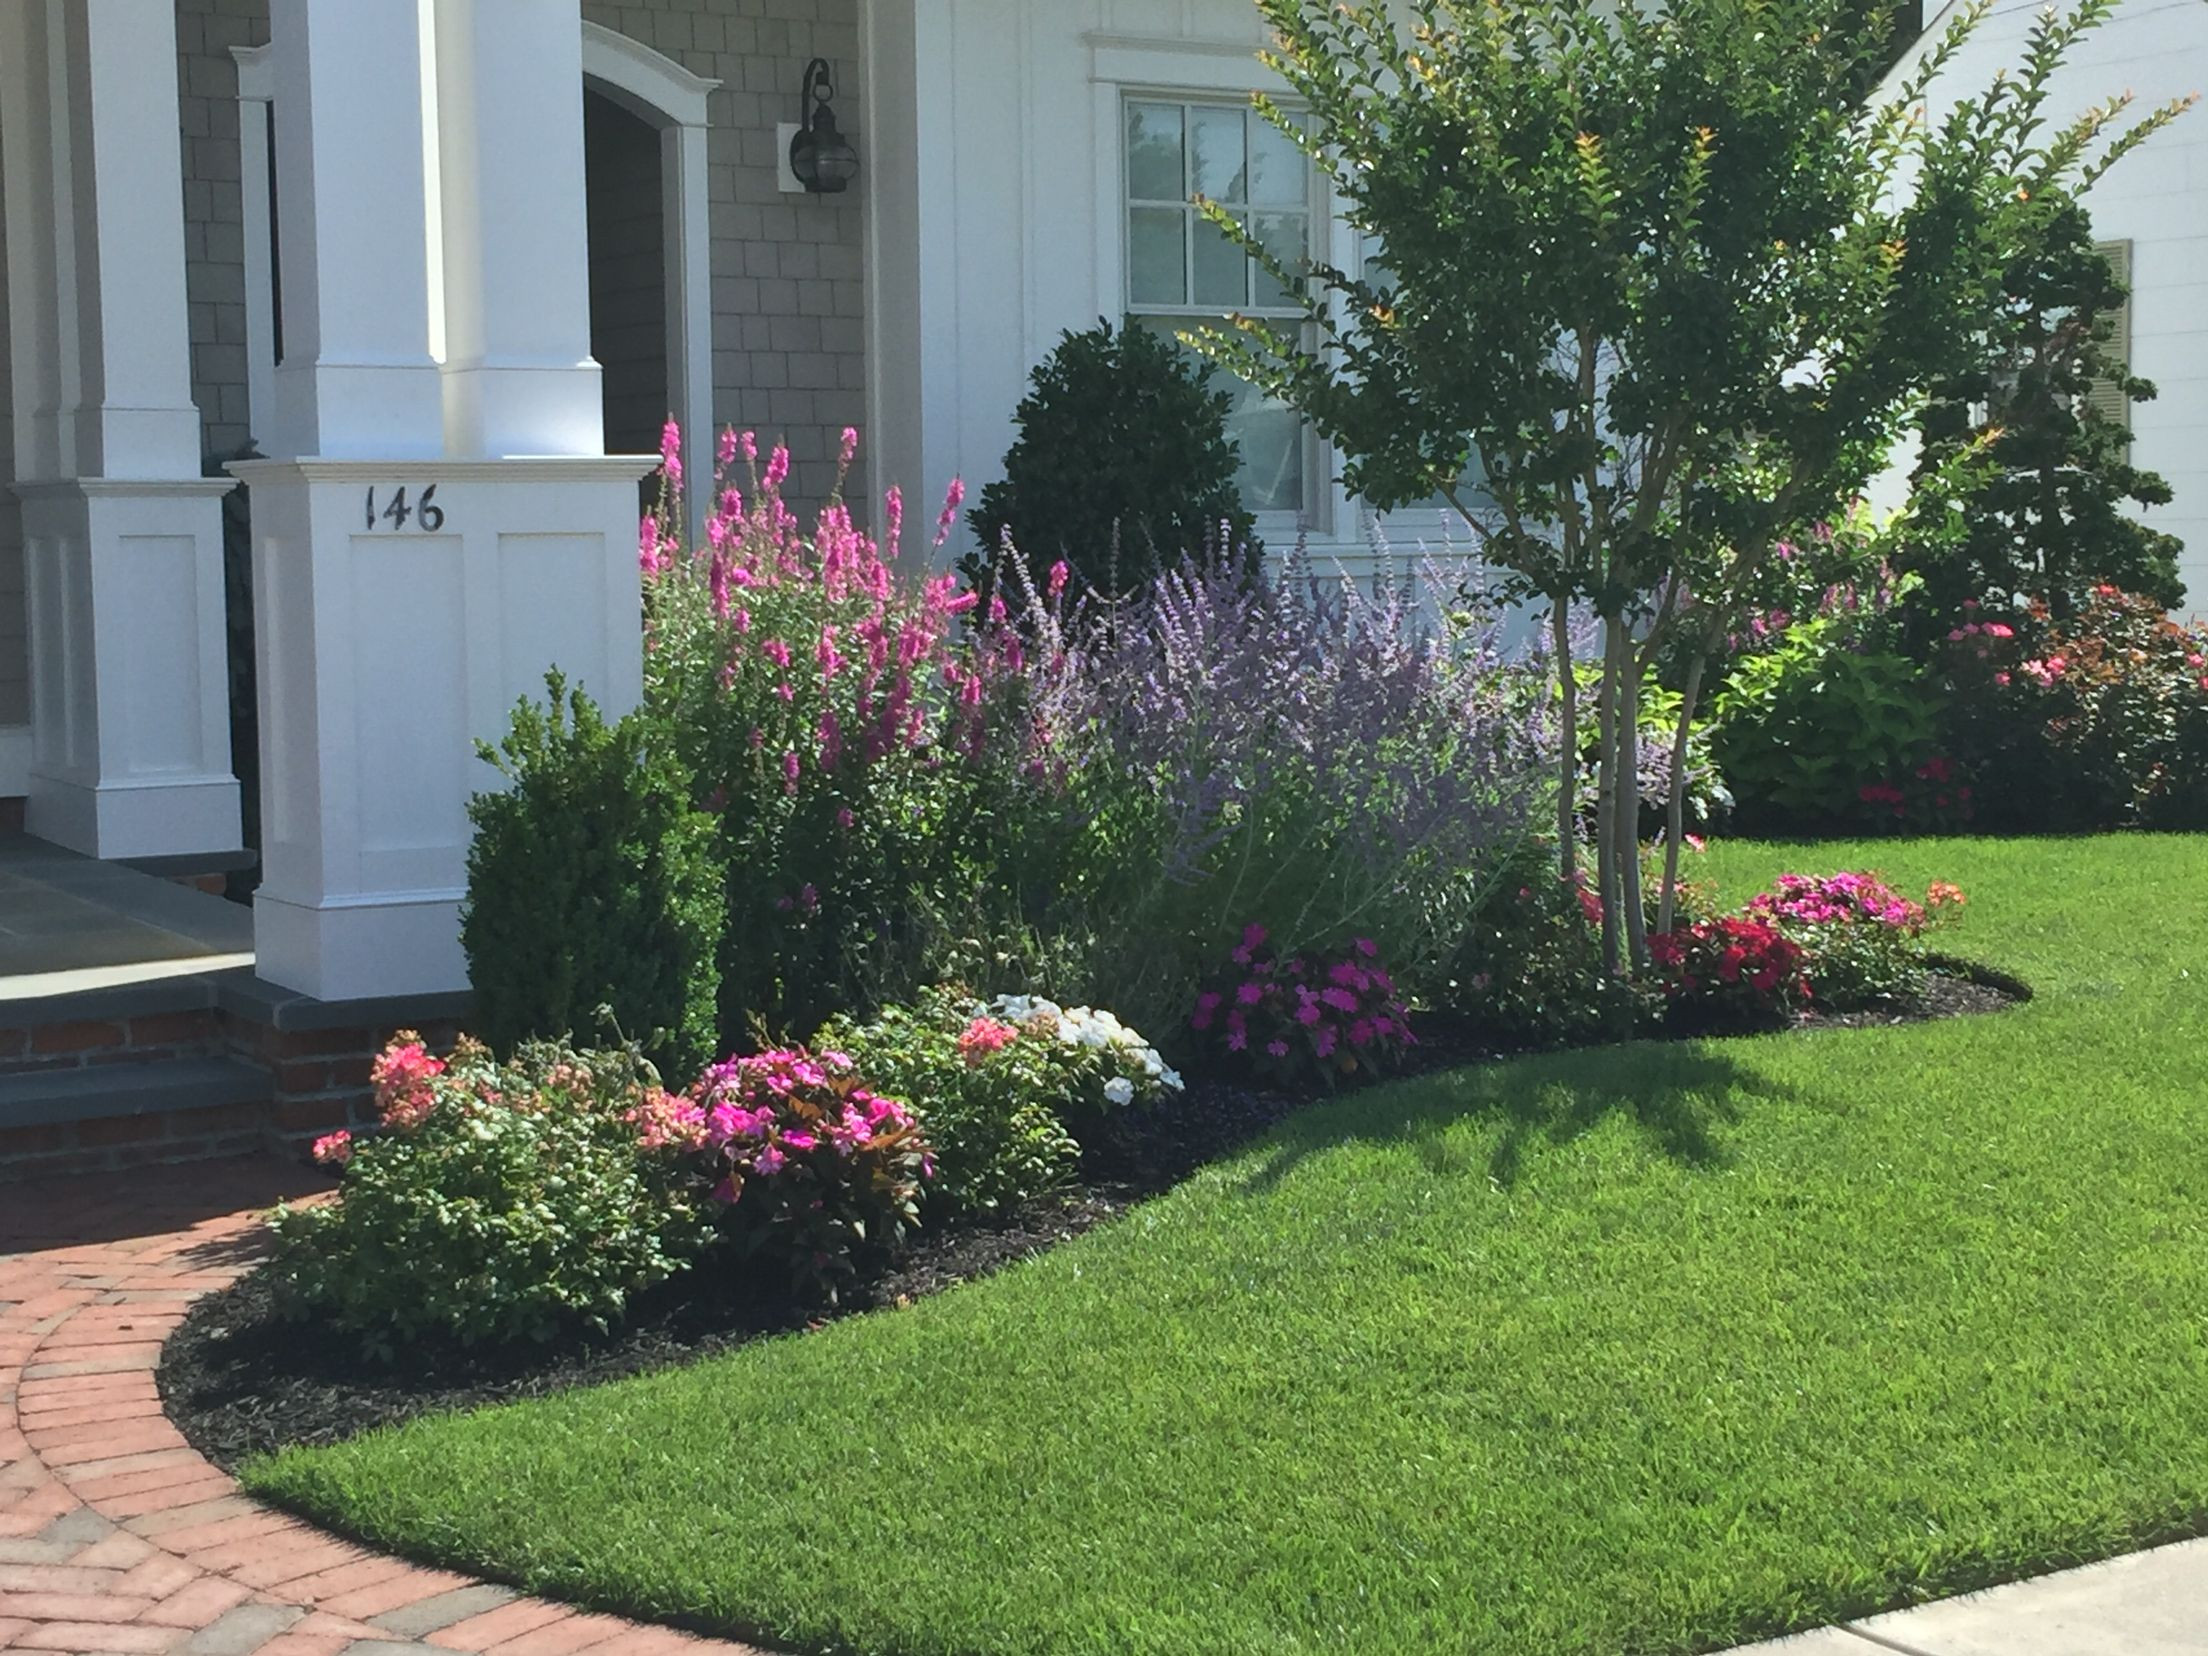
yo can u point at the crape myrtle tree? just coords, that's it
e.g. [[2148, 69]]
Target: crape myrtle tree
[[1666, 279]]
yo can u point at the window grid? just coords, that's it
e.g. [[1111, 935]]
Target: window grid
[[1178, 278]]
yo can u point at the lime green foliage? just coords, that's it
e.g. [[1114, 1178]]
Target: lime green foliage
[[592, 883], [502, 1202], [1803, 725], [1654, 1348]]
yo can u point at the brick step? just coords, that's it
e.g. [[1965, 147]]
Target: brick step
[[157, 1109]]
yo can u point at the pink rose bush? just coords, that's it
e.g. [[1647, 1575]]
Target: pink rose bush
[[499, 1201], [2097, 719], [1334, 1016]]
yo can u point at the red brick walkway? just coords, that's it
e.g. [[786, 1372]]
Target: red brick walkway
[[115, 1535]]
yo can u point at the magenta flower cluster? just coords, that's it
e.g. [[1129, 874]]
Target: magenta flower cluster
[[1838, 899], [810, 1167], [1336, 1014]]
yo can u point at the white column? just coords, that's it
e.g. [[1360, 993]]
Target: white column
[[122, 536], [519, 379], [354, 149], [408, 592]]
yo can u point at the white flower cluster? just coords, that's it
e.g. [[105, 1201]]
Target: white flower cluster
[[1093, 1029]]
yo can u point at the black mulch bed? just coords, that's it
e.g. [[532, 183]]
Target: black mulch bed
[[238, 1379]]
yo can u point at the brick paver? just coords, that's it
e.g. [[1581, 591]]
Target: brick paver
[[117, 1536]]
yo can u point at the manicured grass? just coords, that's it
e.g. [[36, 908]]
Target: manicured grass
[[1652, 1350]]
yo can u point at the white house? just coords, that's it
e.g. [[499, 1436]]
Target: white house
[[415, 274]]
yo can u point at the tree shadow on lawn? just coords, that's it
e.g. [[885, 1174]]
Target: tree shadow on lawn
[[1679, 1095]]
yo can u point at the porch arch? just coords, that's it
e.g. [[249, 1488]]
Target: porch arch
[[667, 97]]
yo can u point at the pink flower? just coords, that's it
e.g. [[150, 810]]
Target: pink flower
[[670, 453], [334, 1149], [1277, 1049], [846, 818], [778, 467], [1059, 574], [850, 447], [953, 498], [985, 1036], [770, 1161], [1250, 993], [800, 1142], [727, 453]]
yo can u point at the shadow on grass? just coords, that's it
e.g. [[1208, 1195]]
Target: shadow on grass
[[1678, 1095]]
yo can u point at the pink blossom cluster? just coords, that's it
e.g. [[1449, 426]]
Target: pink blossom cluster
[[762, 1116], [985, 1036], [1339, 1014], [404, 1076], [1838, 899]]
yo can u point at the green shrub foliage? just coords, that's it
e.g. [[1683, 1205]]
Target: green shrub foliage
[[592, 883], [1122, 464], [502, 1202], [1805, 724], [2047, 514]]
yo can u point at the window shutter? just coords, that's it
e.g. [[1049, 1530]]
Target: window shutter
[[2106, 397]]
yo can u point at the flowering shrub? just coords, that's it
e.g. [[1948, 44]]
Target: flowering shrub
[[2099, 720], [841, 725], [1732, 970], [1335, 1015], [1327, 760], [501, 1201], [810, 1170], [1002, 1089], [1861, 940]]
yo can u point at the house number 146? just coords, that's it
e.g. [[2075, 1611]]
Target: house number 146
[[425, 513]]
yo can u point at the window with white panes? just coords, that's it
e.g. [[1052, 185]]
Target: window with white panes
[[1183, 273]]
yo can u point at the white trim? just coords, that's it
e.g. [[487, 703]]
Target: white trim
[[653, 86], [659, 91], [256, 92], [15, 761]]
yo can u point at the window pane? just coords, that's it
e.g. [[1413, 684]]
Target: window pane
[[1287, 236], [1268, 434], [1154, 171], [1280, 173], [1271, 439], [1222, 268], [1157, 256], [1215, 140]]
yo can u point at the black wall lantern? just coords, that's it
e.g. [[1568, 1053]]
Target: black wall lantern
[[820, 156]]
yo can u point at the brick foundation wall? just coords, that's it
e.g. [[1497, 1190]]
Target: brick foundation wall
[[317, 1083]]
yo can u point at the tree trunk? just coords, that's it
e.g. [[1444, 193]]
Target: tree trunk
[[1629, 803], [1606, 802], [1567, 804], [1675, 800]]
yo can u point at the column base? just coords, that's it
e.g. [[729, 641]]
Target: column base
[[185, 817], [401, 609], [361, 948]]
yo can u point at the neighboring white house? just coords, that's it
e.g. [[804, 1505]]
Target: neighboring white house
[[411, 270]]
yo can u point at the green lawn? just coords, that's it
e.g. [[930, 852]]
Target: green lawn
[[1645, 1350]]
